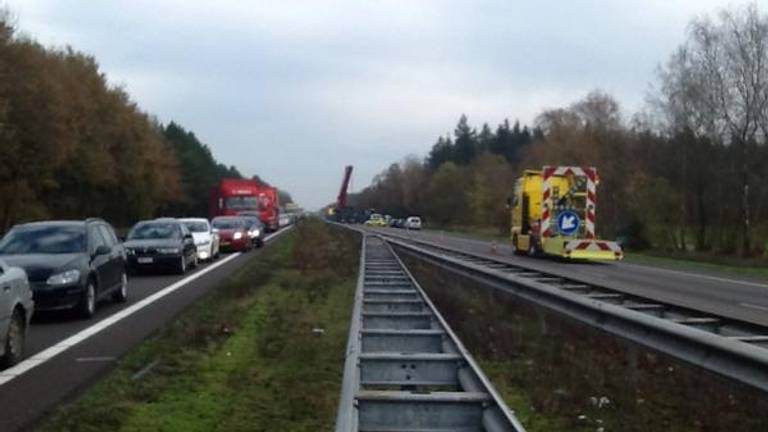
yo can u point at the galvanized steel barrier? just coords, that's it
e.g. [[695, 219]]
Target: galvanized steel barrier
[[405, 369], [734, 349]]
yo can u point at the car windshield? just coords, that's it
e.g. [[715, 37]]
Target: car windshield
[[227, 224], [197, 227], [242, 203], [154, 230], [253, 222], [43, 239]]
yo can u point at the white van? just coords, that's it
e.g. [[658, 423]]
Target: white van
[[413, 222]]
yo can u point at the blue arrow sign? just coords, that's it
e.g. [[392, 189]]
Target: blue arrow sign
[[567, 222]]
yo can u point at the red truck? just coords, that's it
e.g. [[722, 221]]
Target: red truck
[[233, 197]]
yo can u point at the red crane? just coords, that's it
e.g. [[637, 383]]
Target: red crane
[[341, 200]]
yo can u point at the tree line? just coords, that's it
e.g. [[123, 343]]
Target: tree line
[[73, 146], [685, 174]]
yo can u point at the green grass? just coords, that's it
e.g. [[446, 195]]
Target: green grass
[[264, 352], [734, 266]]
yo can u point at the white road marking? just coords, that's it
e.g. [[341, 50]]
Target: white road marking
[[715, 278], [52, 351], [754, 306]]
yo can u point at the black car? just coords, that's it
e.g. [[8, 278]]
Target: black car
[[70, 264], [165, 243], [256, 228]]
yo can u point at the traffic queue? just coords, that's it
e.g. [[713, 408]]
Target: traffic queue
[[73, 265]]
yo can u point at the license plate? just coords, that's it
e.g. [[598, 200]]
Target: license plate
[[224, 243], [144, 260]]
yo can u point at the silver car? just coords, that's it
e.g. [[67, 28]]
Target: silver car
[[16, 307]]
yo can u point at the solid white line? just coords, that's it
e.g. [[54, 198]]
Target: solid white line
[[52, 351], [715, 278]]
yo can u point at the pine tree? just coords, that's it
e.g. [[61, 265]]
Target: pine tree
[[466, 142]]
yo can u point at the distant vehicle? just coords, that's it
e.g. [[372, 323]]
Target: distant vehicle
[[234, 196], [413, 222], [256, 230], [553, 213], [161, 243], [70, 264], [285, 220], [233, 231], [205, 236], [376, 220], [16, 307]]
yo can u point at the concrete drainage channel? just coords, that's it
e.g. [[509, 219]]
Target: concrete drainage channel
[[405, 369]]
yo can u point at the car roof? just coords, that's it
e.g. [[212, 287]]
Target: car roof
[[158, 220], [55, 223], [193, 220]]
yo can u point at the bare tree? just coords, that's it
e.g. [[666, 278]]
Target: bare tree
[[716, 85]]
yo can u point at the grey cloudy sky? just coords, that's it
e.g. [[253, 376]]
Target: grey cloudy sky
[[295, 90]]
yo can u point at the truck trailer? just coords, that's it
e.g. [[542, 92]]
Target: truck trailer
[[553, 214], [234, 197]]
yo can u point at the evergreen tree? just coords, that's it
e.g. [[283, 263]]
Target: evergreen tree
[[465, 142], [485, 140]]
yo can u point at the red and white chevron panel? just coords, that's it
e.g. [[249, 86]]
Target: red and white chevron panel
[[592, 245], [590, 173]]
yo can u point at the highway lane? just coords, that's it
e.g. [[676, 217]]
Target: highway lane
[[738, 297], [66, 354]]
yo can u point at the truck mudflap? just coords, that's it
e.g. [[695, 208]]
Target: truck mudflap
[[584, 249]]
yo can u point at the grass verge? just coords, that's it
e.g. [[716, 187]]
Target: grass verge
[[263, 352]]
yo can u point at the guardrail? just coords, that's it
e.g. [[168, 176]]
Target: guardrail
[[405, 369], [734, 349]]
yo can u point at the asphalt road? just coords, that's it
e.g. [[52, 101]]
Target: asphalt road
[[737, 297], [66, 354]]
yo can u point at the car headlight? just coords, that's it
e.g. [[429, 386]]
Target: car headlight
[[130, 251], [64, 278], [238, 235], [168, 250], [256, 233]]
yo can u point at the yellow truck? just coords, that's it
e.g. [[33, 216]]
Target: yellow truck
[[553, 213]]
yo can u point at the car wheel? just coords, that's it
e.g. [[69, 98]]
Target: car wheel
[[122, 292], [181, 267], [259, 243], [87, 306], [14, 341]]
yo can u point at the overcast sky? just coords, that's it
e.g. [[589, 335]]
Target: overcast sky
[[295, 90]]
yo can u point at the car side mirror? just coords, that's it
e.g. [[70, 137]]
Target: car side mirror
[[187, 236], [215, 230], [102, 250]]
